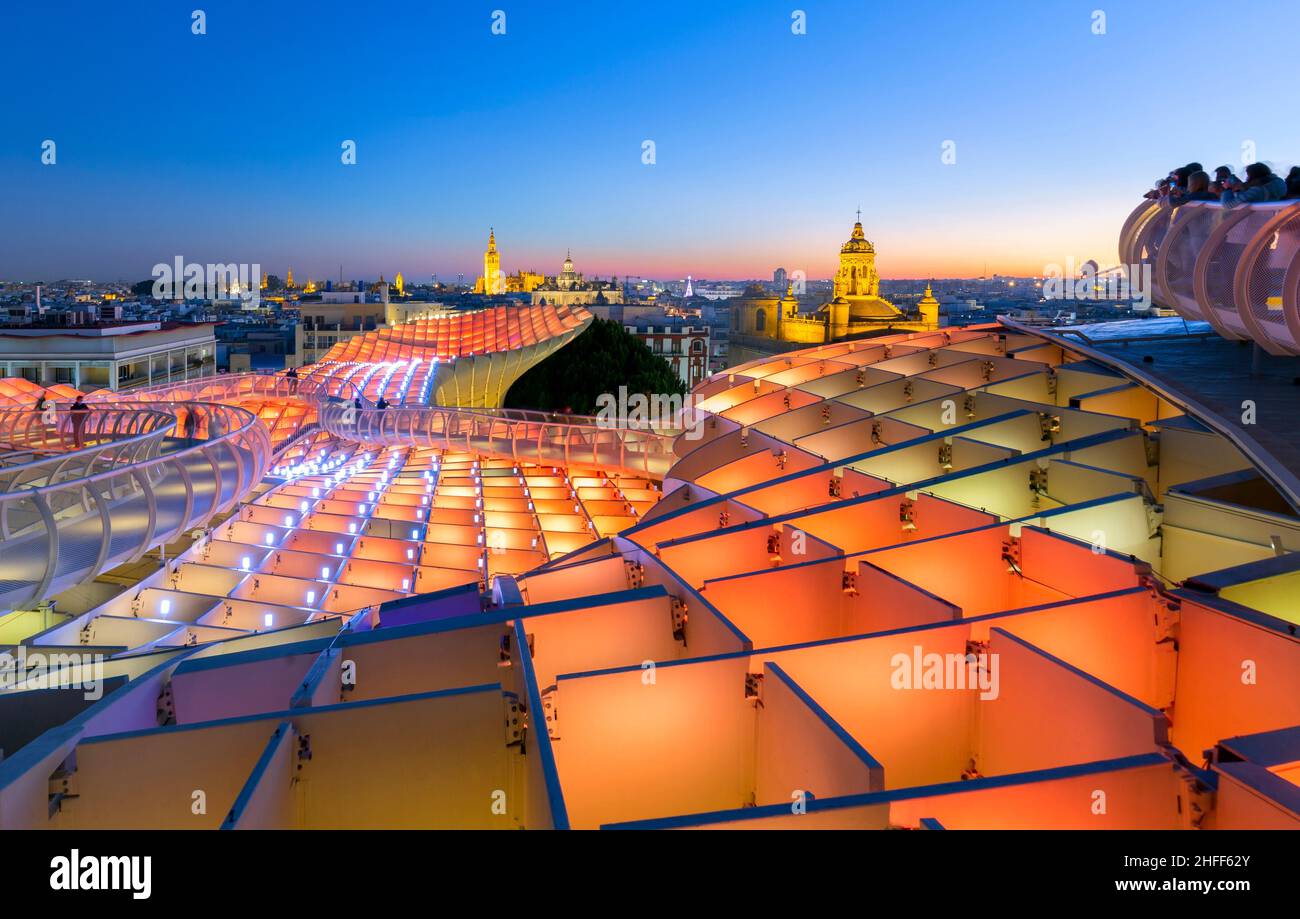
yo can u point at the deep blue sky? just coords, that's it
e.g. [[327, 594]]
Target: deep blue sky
[[225, 147]]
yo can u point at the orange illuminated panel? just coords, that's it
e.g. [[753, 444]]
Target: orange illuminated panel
[[1289, 771]]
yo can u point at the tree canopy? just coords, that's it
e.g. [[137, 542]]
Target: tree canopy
[[600, 360]]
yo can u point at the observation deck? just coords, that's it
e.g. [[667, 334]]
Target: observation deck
[[1237, 268]]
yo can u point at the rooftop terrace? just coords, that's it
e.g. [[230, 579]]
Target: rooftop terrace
[[968, 578]]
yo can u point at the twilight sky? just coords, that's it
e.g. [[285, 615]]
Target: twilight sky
[[226, 147]]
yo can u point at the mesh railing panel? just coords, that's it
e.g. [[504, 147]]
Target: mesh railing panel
[[1263, 277]]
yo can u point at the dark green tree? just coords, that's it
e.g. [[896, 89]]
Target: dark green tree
[[600, 360]]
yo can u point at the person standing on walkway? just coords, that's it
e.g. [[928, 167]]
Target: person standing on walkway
[[80, 410]]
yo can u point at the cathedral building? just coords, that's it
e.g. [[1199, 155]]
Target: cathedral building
[[569, 288], [495, 282], [763, 323]]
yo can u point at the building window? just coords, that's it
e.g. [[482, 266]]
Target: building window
[[94, 376], [760, 321]]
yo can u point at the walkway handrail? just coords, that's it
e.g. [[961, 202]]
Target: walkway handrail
[[1236, 267], [230, 386], [118, 434], [67, 528]]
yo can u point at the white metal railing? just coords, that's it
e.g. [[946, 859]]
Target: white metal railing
[[144, 477], [235, 386]]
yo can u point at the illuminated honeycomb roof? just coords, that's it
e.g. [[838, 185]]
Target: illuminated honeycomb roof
[[457, 335], [468, 359], [978, 577]]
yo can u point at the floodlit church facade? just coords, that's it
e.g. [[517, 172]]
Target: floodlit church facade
[[764, 323], [569, 288]]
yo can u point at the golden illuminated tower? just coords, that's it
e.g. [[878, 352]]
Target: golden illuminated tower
[[263, 280], [929, 308], [289, 279], [400, 284], [857, 287], [493, 282], [857, 275]]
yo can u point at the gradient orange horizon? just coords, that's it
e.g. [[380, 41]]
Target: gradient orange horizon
[[1019, 243]]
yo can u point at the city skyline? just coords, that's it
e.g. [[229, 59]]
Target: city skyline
[[236, 154]]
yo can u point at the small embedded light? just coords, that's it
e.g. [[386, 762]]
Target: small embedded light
[[270, 539], [352, 527], [165, 607], [410, 554], [311, 597], [338, 548], [413, 534], [245, 563], [325, 573], [302, 506], [406, 583], [288, 520], [267, 620]]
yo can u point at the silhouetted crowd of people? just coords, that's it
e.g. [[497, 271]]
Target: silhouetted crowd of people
[[1193, 183]]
